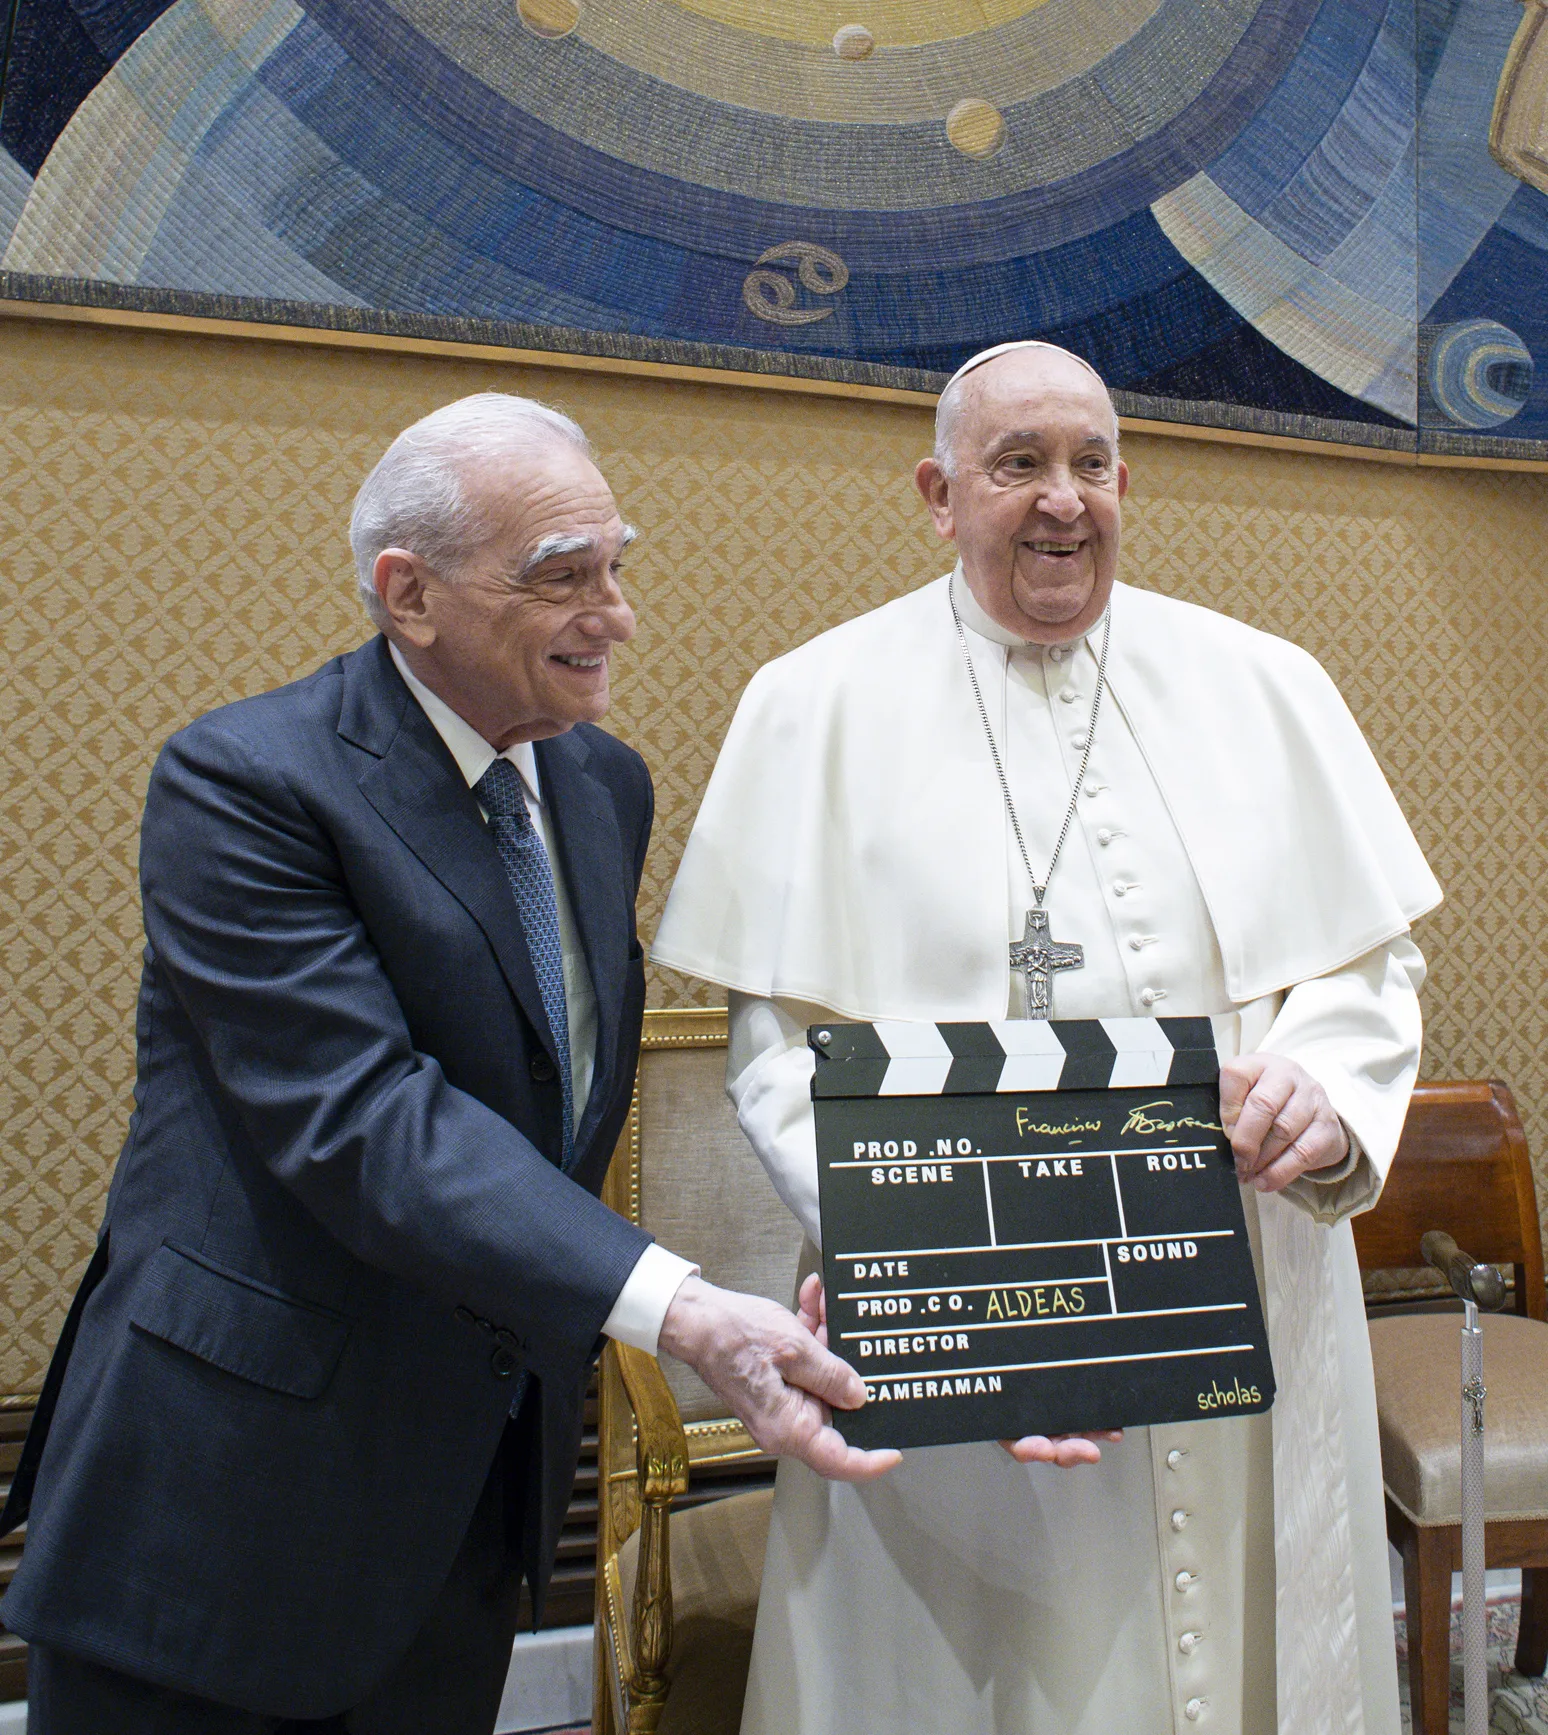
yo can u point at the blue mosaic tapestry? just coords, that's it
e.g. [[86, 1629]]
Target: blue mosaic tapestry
[[1326, 218]]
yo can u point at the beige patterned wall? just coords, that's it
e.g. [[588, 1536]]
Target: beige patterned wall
[[172, 518]]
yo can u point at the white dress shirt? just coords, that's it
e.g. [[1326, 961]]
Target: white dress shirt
[[649, 1289]]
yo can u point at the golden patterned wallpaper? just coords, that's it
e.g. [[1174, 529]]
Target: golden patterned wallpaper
[[172, 520]]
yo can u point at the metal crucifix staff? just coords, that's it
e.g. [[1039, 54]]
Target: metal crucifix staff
[[1480, 1286]]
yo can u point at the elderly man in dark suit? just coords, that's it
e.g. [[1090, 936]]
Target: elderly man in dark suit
[[317, 1405]]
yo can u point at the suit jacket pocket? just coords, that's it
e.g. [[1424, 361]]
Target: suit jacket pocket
[[238, 1324]]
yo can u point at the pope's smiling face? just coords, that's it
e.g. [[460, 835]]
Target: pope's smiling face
[[1034, 501]]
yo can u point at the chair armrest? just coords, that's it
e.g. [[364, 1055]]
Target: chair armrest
[[661, 1469], [661, 1446]]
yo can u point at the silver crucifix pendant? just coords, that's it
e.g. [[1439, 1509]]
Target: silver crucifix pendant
[[1036, 955]]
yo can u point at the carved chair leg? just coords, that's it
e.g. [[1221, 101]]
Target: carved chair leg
[[602, 1720], [1532, 1641], [1427, 1596], [652, 1616]]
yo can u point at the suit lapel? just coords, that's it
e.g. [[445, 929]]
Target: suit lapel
[[596, 874], [414, 784]]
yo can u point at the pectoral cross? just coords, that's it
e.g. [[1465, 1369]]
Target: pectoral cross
[[1037, 955]]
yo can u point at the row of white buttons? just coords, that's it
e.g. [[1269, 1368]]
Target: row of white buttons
[[1187, 1642], [1121, 888]]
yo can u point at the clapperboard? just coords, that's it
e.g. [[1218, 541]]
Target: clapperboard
[[1033, 1227]]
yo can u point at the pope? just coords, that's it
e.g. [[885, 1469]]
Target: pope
[[1027, 789]]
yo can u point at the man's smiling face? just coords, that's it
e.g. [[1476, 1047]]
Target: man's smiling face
[[1034, 504], [519, 642]]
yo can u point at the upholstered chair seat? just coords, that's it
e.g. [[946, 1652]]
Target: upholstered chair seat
[[1420, 1415]]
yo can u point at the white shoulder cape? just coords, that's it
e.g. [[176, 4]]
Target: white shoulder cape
[[850, 847]]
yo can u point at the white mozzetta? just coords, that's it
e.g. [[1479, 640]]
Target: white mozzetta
[[1304, 860]]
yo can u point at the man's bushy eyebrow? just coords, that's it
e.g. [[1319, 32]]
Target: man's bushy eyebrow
[[551, 547]]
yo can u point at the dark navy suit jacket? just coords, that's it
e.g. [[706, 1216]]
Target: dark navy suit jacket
[[338, 1228]]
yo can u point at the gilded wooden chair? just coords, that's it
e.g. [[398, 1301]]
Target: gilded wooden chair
[[1462, 1166], [683, 1493]]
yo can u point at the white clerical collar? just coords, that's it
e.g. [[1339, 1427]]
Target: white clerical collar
[[472, 752], [986, 626]]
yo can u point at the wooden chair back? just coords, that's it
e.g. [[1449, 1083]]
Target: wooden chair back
[[1462, 1166]]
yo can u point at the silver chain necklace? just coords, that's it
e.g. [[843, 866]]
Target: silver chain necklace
[[1037, 955]]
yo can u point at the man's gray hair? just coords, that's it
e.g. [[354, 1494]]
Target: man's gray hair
[[948, 408], [416, 497]]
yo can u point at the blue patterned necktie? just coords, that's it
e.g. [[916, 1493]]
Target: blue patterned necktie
[[500, 794]]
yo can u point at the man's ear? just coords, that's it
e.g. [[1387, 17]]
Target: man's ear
[[933, 482], [400, 583]]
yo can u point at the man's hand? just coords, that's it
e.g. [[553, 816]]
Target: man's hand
[[774, 1373], [1065, 1450], [1280, 1121]]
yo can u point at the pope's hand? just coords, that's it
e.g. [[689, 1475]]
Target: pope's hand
[[1279, 1120], [812, 1308], [1065, 1450], [774, 1373]]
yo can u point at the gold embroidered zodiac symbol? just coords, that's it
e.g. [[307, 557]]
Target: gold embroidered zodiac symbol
[[770, 295]]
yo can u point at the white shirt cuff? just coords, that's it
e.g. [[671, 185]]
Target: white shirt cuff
[[648, 1291]]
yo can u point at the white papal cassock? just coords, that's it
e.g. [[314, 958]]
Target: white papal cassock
[[1236, 852]]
